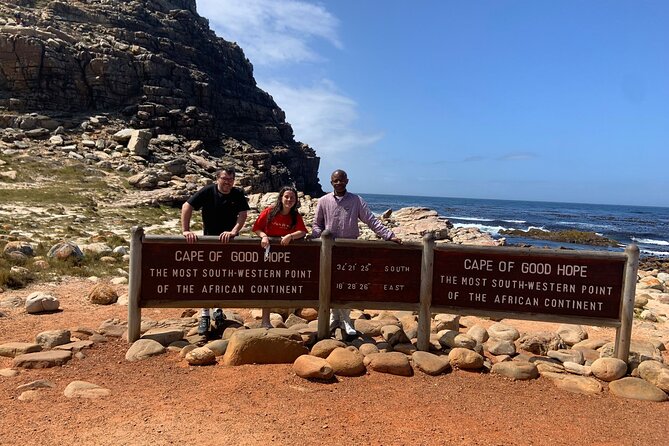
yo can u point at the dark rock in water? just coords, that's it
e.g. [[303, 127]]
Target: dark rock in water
[[659, 263], [569, 236]]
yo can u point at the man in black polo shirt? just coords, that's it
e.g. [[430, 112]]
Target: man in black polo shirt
[[223, 214]]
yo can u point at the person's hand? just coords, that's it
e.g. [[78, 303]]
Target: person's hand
[[264, 242], [395, 240], [226, 236], [190, 236], [286, 239]]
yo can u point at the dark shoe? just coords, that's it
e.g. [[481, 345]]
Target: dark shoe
[[203, 327], [219, 317], [340, 335]]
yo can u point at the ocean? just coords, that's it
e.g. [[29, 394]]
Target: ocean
[[646, 226]]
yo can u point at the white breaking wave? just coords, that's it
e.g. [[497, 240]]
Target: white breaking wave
[[469, 218], [494, 230], [585, 225], [655, 253], [650, 241], [515, 221]]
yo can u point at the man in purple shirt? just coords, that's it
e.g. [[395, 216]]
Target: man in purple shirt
[[339, 212]]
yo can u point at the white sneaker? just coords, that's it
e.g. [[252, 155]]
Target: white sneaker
[[348, 328], [334, 322], [347, 324]]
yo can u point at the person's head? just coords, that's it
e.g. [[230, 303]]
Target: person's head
[[339, 180], [225, 179], [287, 199], [286, 203]]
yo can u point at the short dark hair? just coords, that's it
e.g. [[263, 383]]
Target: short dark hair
[[339, 171], [230, 170]]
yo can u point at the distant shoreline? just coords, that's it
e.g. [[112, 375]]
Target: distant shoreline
[[617, 225]]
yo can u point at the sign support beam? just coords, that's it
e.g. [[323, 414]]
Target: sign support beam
[[324, 291], [135, 284], [426, 275], [624, 332]]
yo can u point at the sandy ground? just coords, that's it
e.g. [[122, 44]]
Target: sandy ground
[[164, 401]]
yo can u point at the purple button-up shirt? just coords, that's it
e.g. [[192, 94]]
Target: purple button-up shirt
[[340, 215]]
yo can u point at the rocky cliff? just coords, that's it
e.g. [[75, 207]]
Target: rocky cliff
[[153, 65]]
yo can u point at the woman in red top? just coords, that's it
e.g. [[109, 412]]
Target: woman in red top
[[280, 220]]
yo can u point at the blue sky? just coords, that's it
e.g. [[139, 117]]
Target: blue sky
[[530, 100]]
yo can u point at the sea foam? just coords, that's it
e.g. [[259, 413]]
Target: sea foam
[[650, 241]]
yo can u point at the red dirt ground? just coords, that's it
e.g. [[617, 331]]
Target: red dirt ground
[[164, 401]]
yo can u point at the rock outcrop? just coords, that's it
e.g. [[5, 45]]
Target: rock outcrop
[[154, 65]]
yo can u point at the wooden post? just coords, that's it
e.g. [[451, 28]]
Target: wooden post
[[426, 273], [624, 332], [135, 283], [324, 291]]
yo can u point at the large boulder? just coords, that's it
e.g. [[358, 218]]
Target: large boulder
[[503, 331], [144, 348], [13, 349], [394, 363], [453, 339], [139, 142], [609, 369], [466, 359], [42, 360], [516, 370], [312, 367], [430, 364], [394, 335], [347, 361], [41, 302], [260, 346], [66, 251], [165, 336], [574, 384], [655, 373], [540, 343], [83, 389], [372, 327], [639, 351], [25, 249], [637, 389], [478, 333], [323, 348], [572, 334], [102, 294], [52, 338], [200, 356]]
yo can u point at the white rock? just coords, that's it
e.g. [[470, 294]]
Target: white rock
[[39, 302]]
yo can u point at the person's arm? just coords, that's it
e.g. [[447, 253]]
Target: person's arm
[[264, 239], [226, 236], [367, 217], [318, 224], [259, 228], [295, 235], [186, 214], [299, 231]]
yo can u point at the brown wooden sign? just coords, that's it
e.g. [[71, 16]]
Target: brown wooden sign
[[217, 271], [362, 274], [528, 283]]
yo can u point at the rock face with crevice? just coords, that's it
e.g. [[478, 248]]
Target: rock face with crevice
[[154, 65]]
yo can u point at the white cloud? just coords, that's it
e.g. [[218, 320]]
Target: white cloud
[[321, 117], [277, 35], [272, 31]]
